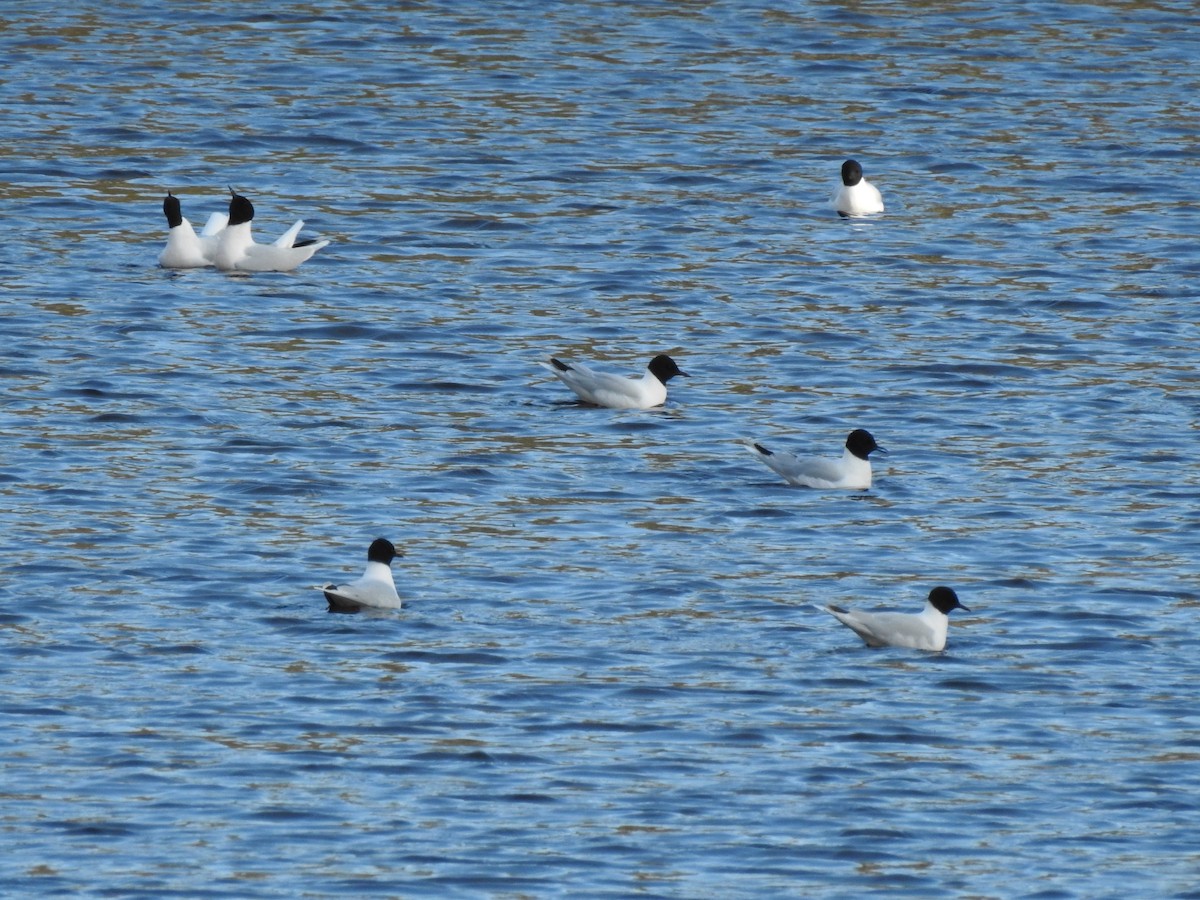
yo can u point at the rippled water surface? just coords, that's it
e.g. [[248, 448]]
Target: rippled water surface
[[609, 678]]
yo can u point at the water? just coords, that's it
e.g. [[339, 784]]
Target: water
[[609, 679]]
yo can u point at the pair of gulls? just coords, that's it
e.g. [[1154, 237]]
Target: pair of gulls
[[926, 630], [225, 241], [851, 472]]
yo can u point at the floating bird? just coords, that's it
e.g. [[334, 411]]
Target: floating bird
[[185, 249], [237, 251], [856, 196], [617, 391], [925, 630], [375, 588], [852, 472]]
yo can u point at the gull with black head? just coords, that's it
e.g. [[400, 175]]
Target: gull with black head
[[237, 251], [185, 249], [376, 588], [856, 196], [925, 630], [852, 472], [617, 391]]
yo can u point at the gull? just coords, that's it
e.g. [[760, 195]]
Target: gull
[[617, 391], [375, 588], [925, 630], [856, 196], [852, 472], [237, 251], [185, 249]]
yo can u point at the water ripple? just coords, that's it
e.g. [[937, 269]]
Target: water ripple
[[608, 677]]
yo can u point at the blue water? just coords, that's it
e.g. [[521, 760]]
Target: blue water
[[609, 679]]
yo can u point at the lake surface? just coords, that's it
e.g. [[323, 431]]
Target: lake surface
[[609, 678]]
